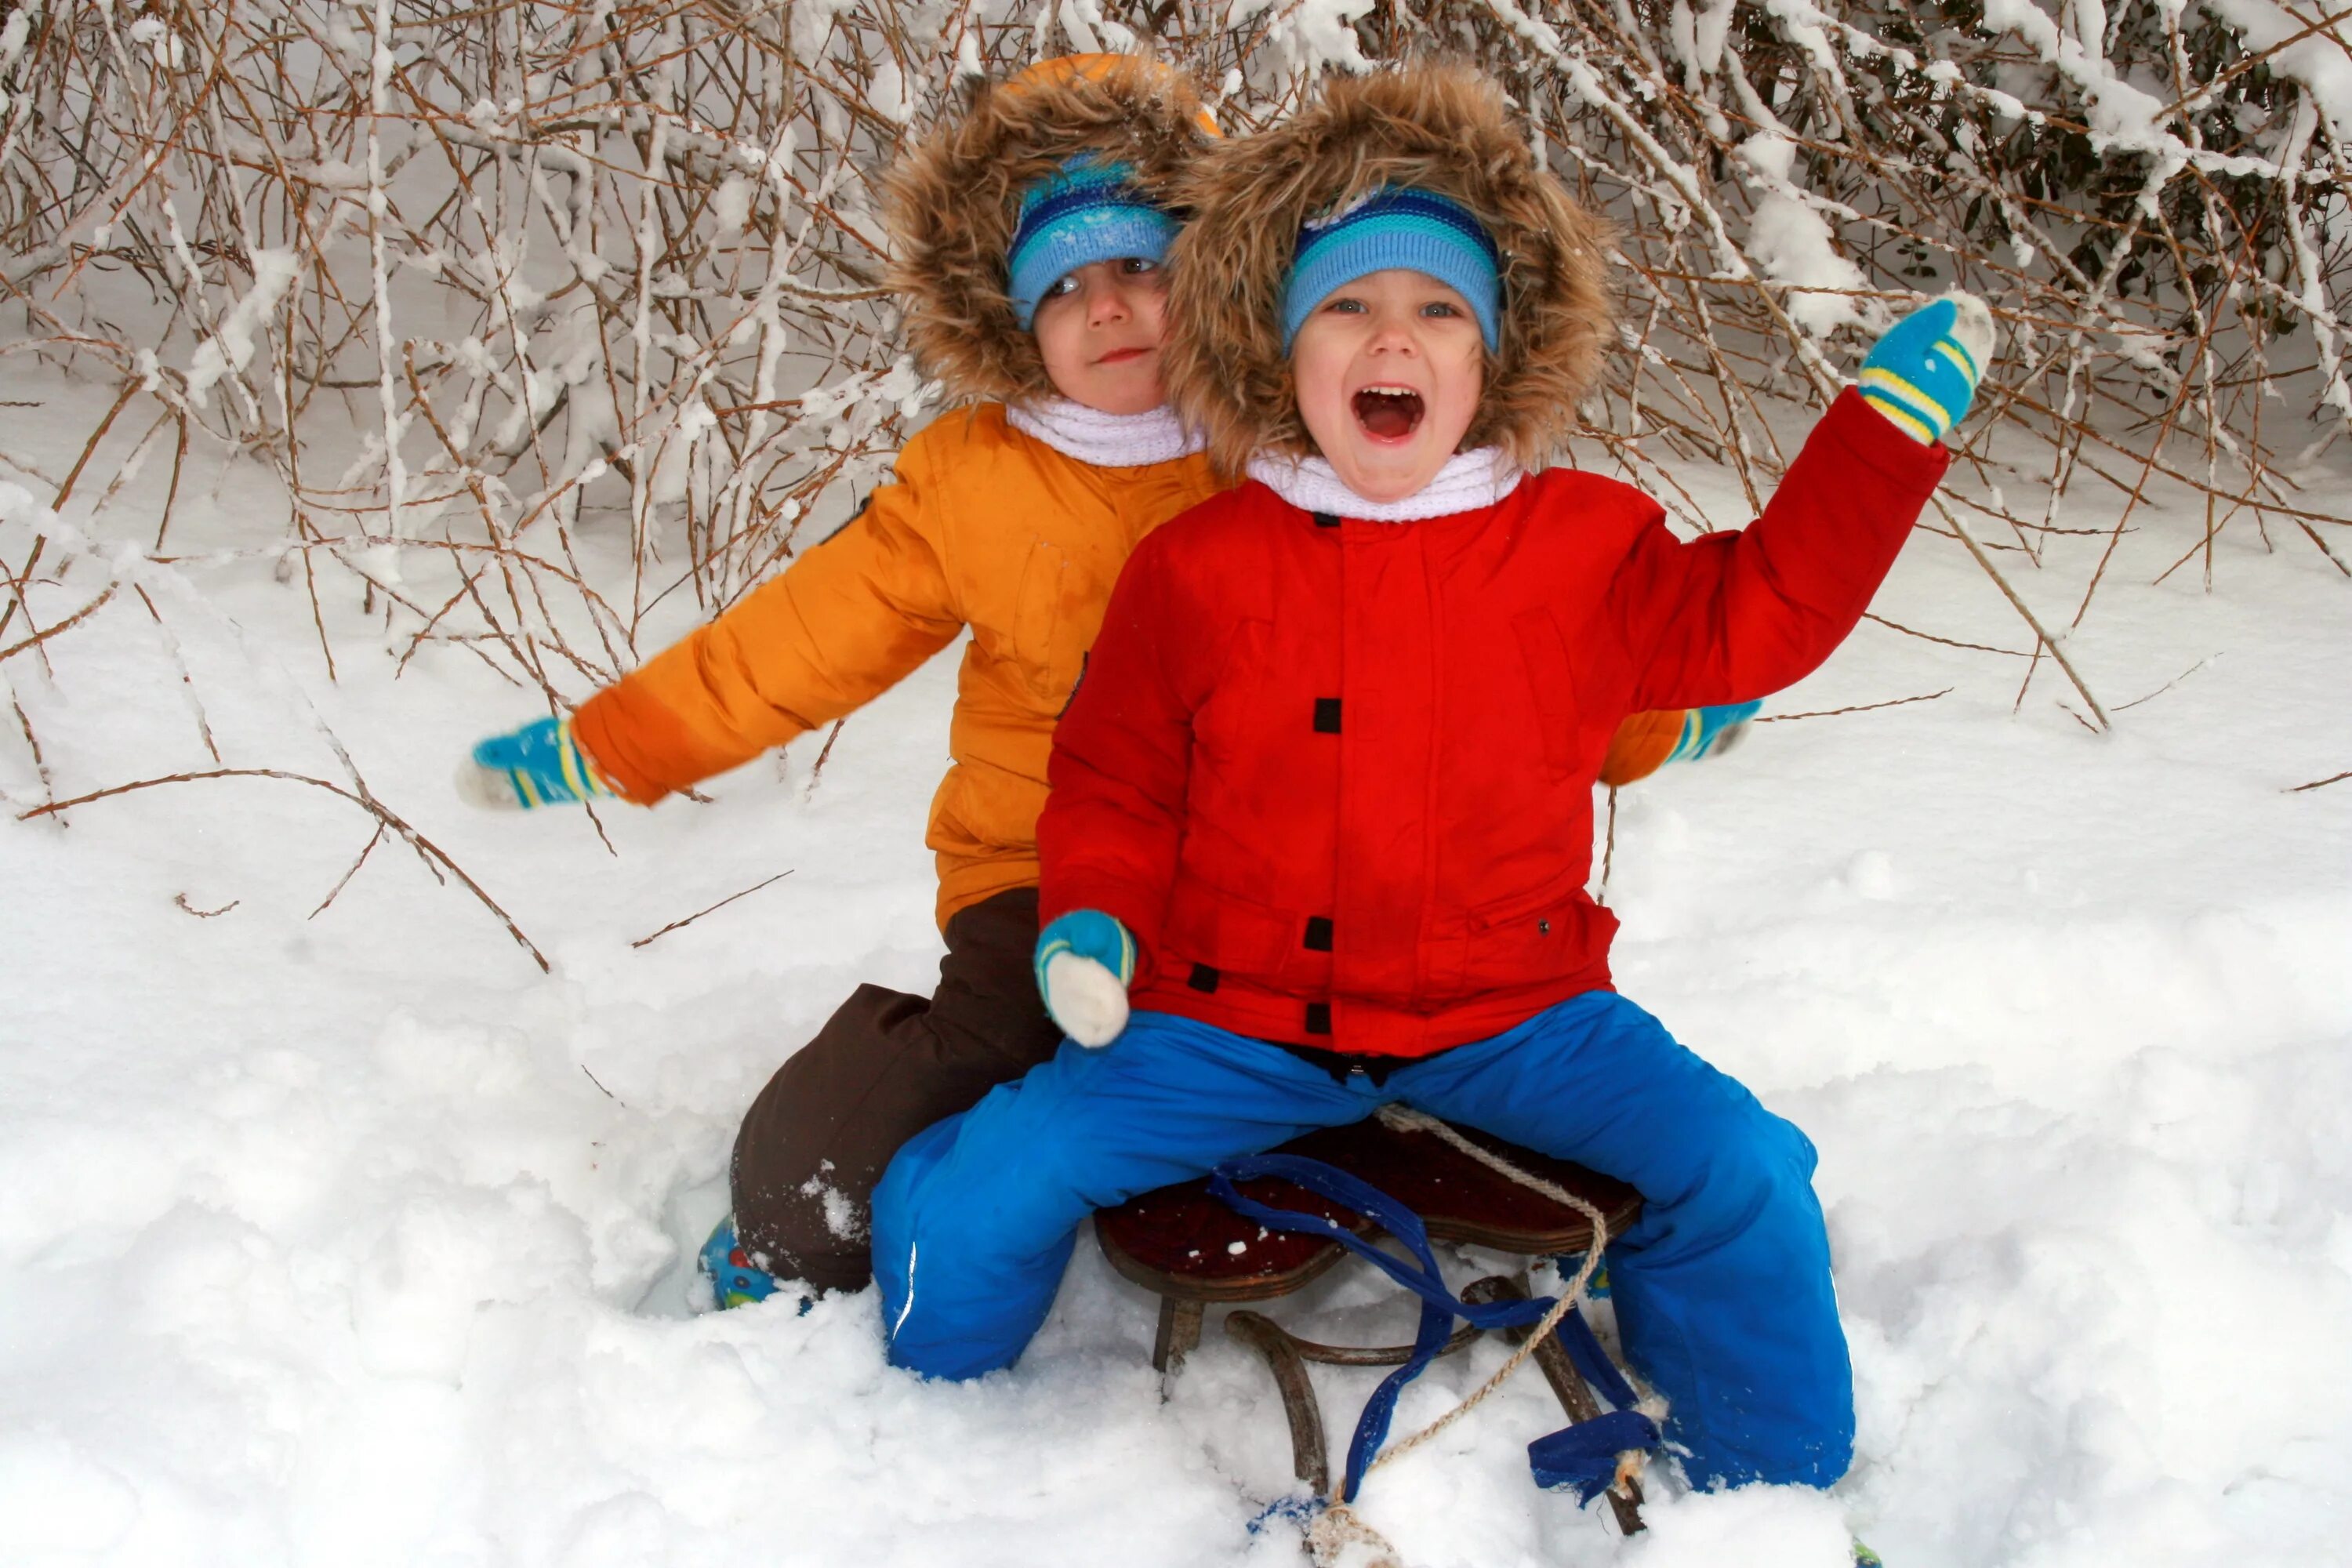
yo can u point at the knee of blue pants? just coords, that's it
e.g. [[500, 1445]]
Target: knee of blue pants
[[1739, 1166], [892, 1238], [968, 1268]]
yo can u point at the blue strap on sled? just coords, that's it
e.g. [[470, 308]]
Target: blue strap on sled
[[1583, 1455]]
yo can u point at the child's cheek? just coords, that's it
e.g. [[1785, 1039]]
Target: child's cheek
[[1458, 395], [1315, 378], [1152, 308]]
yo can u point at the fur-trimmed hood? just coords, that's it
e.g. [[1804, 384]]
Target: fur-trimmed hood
[[951, 202], [1438, 128]]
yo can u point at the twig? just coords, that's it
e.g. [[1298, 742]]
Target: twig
[[2321, 784], [89, 447], [1608, 850], [344, 880], [2019, 604], [697, 914], [182, 900], [2078, 719], [607, 1093], [816, 769], [432, 854], [13, 650], [33, 742], [1948, 642], [1859, 708], [2169, 684]]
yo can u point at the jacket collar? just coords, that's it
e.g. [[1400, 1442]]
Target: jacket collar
[[1469, 481], [1105, 441]]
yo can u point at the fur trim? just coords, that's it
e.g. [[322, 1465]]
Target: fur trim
[[1433, 128], [950, 204]]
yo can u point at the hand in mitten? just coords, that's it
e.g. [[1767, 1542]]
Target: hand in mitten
[[539, 764], [1085, 959], [1923, 374], [1712, 731], [1645, 742]]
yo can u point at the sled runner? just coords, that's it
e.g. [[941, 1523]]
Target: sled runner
[[1193, 1249]]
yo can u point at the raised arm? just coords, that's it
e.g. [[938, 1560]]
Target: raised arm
[[1730, 617], [1733, 617]]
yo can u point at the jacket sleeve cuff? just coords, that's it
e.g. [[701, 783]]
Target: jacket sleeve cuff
[[1867, 437], [623, 732], [1120, 900]]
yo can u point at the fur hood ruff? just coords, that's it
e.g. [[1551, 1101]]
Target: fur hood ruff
[[1442, 129], [951, 202]]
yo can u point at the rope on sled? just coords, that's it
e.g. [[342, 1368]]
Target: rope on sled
[[1339, 1527]]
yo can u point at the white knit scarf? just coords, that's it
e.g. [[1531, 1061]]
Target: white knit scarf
[[1469, 480], [1106, 440]]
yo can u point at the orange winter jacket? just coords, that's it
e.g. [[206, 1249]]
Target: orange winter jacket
[[985, 528]]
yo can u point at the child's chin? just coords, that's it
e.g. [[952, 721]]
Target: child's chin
[[1112, 394], [1387, 473]]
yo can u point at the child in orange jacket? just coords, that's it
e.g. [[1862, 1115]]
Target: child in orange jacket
[[1027, 235]]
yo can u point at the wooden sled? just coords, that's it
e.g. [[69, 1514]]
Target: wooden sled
[[1187, 1247]]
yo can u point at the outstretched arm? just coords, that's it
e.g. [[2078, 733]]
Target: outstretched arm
[[851, 618]]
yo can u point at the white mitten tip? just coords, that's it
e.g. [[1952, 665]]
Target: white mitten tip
[[1974, 329], [1085, 998], [489, 788]]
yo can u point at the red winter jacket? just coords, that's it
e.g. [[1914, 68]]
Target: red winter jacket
[[1336, 776]]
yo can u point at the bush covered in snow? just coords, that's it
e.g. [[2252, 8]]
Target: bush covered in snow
[[468, 276]]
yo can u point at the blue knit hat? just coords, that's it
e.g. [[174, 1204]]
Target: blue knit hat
[[1414, 230], [1088, 210]]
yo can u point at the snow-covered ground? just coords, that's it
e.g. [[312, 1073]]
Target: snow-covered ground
[[356, 1239]]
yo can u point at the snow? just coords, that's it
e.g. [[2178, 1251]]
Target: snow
[[731, 203], [2321, 62], [230, 346], [1793, 243], [354, 1238]]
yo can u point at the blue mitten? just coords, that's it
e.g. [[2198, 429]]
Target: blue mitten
[[1085, 959], [539, 764], [1712, 731], [1923, 374]]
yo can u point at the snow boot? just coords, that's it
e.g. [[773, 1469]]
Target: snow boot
[[1595, 1289], [735, 1279]]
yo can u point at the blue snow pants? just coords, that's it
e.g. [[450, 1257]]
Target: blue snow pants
[[1722, 1288]]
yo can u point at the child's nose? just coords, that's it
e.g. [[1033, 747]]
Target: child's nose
[[1393, 334], [1106, 304]]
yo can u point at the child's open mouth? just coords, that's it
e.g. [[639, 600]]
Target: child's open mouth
[[1388, 412]]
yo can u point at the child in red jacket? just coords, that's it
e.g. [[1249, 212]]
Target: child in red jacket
[[1321, 810]]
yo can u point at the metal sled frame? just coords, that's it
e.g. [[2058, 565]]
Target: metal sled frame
[[1192, 1252]]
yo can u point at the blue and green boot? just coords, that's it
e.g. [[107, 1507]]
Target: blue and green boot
[[735, 1279]]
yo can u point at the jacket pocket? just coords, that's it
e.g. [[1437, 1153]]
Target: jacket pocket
[[1230, 933], [1528, 939], [1551, 682]]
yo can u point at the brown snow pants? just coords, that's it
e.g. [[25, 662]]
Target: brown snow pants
[[885, 1067]]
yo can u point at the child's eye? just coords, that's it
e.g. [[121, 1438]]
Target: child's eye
[[1137, 266], [1439, 308], [1062, 287], [1344, 305]]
